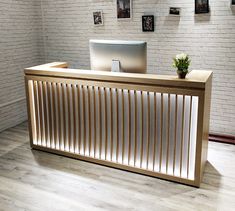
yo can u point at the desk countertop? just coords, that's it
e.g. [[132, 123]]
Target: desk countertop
[[195, 79]]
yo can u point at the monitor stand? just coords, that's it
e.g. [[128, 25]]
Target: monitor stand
[[116, 67]]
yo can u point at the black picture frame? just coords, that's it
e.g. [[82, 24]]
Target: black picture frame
[[124, 9], [202, 6], [174, 11], [98, 18], [148, 23], [233, 2]]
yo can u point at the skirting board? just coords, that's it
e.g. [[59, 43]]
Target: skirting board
[[222, 138]]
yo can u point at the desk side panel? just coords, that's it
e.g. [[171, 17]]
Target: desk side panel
[[206, 124]]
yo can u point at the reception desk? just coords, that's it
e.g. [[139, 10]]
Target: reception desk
[[150, 124]]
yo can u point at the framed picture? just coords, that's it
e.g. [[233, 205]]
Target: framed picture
[[202, 6], [124, 9], [148, 23], [98, 18], [233, 2], [174, 11]]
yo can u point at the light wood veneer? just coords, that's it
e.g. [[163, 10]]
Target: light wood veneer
[[160, 125]]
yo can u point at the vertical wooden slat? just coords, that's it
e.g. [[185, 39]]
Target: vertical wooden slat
[[59, 108], [142, 130], [37, 115], [64, 114], [182, 137], [117, 109], [189, 135], [106, 124], [84, 119], [44, 85], [168, 132], [50, 117], [175, 132], [129, 131], [56, 111], [123, 127], [68, 87], [161, 126], [100, 118], [71, 115], [62, 117], [135, 131], [52, 102], [89, 117], [41, 111], [79, 118], [95, 138], [148, 131], [60, 114], [111, 123], [74, 117], [155, 131]]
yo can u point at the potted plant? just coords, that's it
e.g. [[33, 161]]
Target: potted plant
[[181, 62]]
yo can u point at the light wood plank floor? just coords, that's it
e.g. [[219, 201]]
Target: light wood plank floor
[[34, 180]]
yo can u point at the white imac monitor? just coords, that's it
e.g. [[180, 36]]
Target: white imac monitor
[[117, 55]]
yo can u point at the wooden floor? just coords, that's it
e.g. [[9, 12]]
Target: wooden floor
[[34, 180]]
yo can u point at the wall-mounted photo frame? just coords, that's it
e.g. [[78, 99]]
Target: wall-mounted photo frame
[[233, 2], [124, 9], [174, 11], [202, 6], [98, 18], [148, 23]]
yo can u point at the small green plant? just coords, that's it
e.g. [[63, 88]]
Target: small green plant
[[181, 62]]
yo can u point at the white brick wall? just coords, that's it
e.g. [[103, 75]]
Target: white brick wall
[[209, 39], [67, 25], [20, 47]]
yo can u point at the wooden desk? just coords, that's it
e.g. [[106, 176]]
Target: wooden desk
[[150, 124]]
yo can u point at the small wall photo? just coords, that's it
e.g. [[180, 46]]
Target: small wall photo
[[148, 23], [98, 18], [124, 9], [233, 2], [202, 6], [174, 11]]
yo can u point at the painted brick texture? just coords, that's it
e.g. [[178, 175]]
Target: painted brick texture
[[20, 46], [209, 39], [67, 26]]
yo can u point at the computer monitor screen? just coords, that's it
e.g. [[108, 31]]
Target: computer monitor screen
[[131, 56]]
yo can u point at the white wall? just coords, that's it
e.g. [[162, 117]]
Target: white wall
[[209, 39], [20, 47], [67, 26]]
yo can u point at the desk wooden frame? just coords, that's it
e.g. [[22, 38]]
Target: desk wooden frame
[[198, 83]]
